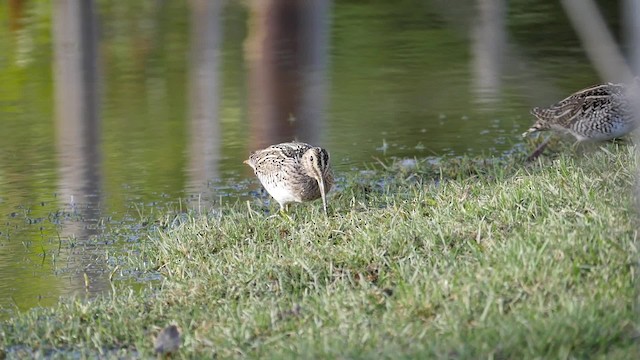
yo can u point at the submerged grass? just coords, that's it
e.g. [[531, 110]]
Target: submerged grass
[[462, 258]]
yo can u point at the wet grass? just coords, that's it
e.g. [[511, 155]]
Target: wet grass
[[459, 258]]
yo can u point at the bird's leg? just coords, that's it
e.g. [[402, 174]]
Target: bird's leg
[[281, 212], [575, 147], [284, 209], [582, 147]]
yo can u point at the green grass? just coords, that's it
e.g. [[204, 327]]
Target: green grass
[[462, 259]]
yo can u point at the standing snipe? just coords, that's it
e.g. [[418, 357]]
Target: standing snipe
[[600, 112], [293, 172]]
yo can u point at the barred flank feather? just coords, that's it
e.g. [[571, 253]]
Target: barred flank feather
[[600, 112]]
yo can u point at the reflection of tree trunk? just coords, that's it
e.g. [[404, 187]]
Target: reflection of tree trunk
[[631, 15], [15, 14], [631, 10], [204, 143], [315, 37], [77, 121], [597, 40], [539, 91], [488, 43], [285, 53]]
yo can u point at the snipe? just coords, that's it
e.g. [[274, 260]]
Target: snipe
[[597, 113], [293, 172]]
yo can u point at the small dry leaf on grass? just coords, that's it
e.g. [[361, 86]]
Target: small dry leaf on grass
[[168, 340]]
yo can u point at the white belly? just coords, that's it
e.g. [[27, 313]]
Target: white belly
[[281, 193]]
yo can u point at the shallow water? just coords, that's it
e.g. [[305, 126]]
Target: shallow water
[[155, 107]]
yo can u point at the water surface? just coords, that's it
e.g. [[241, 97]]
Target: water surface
[[153, 105]]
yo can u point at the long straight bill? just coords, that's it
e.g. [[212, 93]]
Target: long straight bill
[[322, 193]]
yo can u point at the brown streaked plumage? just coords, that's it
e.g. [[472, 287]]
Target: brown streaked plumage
[[293, 172], [600, 112]]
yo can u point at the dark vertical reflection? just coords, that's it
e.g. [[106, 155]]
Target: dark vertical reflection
[[205, 138], [597, 41], [488, 45], [286, 58], [631, 18], [532, 81], [631, 11], [77, 129], [16, 8], [315, 37]]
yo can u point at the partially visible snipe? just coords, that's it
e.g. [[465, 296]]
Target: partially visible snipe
[[293, 172], [597, 113]]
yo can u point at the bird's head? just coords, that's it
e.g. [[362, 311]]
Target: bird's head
[[316, 163], [541, 122]]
